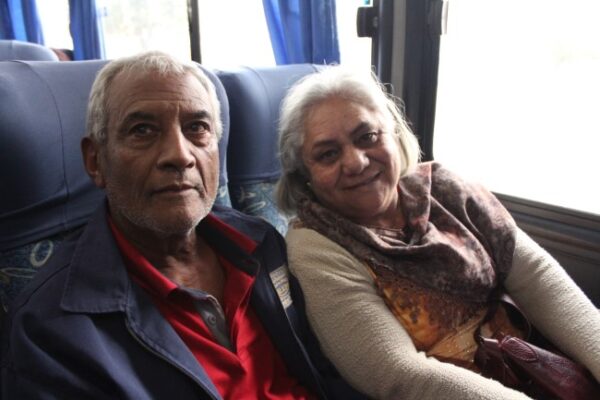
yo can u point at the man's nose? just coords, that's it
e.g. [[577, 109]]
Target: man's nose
[[354, 161], [175, 150]]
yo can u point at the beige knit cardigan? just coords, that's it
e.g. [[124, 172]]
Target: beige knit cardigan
[[374, 353]]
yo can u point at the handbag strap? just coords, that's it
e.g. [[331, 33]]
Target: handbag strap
[[513, 311]]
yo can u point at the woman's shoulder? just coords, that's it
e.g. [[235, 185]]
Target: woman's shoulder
[[306, 247], [439, 173], [301, 238], [442, 182]]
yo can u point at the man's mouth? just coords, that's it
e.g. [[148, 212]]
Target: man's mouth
[[176, 188]]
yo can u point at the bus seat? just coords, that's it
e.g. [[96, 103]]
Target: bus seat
[[18, 50], [255, 95], [45, 191]]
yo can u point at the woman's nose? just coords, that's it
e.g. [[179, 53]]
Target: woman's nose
[[175, 151], [354, 161]]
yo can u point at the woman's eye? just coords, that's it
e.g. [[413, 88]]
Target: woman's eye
[[327, 156], [368, 138]]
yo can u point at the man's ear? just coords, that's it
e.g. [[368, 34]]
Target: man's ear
[[94, 166]]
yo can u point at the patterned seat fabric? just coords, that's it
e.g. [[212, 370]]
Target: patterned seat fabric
[[257, 199], [255, 96], [19, 265]]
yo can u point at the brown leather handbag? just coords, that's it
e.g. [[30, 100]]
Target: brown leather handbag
[[539, 373]]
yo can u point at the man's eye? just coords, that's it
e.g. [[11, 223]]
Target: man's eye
[[197, 128], [142, 130]]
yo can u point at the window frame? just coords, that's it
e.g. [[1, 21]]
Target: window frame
[[571, 236]]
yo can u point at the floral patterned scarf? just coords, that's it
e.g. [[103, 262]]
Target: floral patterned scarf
[[458, 238]]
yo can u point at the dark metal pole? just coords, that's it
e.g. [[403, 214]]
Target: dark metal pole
[[194, 27], [377, 22]]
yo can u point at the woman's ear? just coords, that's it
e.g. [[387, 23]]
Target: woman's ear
[[91, 150]]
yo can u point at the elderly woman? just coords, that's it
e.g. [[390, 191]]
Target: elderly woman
[[399, 261]]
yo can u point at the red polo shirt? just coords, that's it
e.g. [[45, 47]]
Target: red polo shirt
[[254, 369]]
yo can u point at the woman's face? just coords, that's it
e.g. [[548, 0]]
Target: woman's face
[[353, 159]]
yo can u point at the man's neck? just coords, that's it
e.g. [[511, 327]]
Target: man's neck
[[196, 266], [185, 259]]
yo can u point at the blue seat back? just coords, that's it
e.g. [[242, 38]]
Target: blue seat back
[[18, 50], [255, 96], [44, 189]]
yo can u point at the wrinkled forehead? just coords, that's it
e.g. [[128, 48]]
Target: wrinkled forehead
[[154, 84], [345, 109], [129, 91]]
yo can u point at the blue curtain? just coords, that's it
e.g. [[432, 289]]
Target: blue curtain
[[19, 20], [303, 31], [86, 30]]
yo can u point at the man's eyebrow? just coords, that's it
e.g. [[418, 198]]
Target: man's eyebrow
[[138, 116], [201, 114]]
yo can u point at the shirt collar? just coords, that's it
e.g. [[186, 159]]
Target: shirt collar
[[150, 278], [138, 266], [98, 280]]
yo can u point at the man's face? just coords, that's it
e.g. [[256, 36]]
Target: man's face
[[160, 162]]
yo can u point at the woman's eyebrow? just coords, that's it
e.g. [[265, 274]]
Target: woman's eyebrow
[[360, 128]]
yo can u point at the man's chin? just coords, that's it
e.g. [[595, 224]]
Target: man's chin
[[178, 224], [170, 223]]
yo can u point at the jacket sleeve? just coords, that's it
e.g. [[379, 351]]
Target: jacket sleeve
[[554, 303], [359, 334], [28, 373]]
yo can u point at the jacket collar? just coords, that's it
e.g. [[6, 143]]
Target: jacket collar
[[98, 281]]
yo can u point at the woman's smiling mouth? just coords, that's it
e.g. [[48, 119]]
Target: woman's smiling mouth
[[363, 183]]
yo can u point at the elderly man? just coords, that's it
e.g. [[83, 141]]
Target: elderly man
[[161, 295]]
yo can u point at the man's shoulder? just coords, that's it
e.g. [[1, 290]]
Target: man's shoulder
[[254, 227], [253, 235]]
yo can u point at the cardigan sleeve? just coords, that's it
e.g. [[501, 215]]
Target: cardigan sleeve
[[360, 335], [554, 303]]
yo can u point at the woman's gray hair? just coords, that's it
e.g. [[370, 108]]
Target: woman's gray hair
[[144, 63], [332, 81]]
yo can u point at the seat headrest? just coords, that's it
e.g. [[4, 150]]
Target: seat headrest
[[255, 96], [17, 50], [45, 189]]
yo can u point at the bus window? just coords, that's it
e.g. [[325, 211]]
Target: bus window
[[242, 37], [54, 18], [133, 26], [234, 32], [355, 52], [518, 95]]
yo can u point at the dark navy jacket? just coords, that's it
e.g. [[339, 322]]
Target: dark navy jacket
[[83, 330]]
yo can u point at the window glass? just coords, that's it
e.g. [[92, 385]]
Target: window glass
[[355, 52], [234, 32], [133, 26], [54, 18], [518, 93]]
